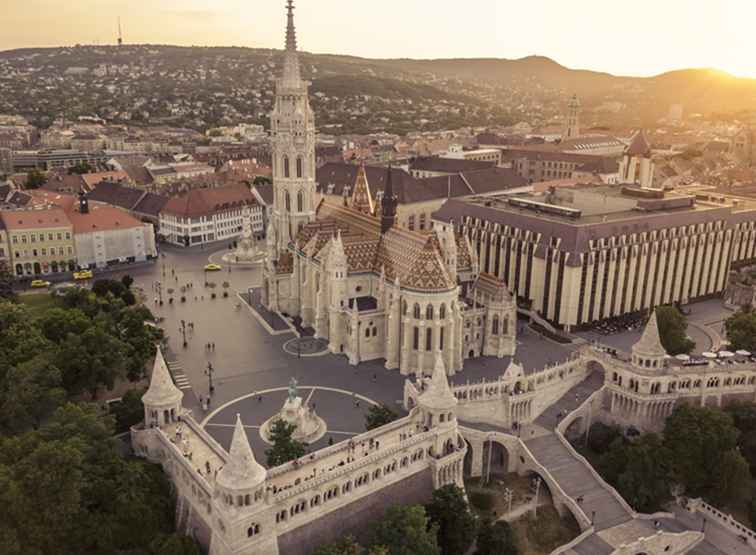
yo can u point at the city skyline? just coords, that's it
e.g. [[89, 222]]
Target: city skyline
[[650, 39]]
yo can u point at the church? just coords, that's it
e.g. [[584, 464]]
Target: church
[[373, 289]]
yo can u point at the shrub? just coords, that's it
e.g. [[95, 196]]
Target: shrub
[[482, 500]]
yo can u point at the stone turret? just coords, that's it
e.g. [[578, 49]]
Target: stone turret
[[648, 352], [362, 199], [241, 480], [437, 401], [162, 401]]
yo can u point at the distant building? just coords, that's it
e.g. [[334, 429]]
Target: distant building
[[544, 164], [572, 120], [479, 154], [41, 242], [743, 146], [637, 167], [106, 235], [50, 159], [207, 215]]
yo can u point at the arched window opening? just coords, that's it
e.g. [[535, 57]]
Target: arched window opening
[[428, 339], [287, 201], [300, 201], [299, 166], [429, 312], [495, 325], [416, 339], [442, 312], [286, 166], [416, 311]]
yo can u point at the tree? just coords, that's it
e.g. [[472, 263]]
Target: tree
[[672, 330], [698, 440], [6, 283], [741, 330], [601, 437], [35, 179], [644, 482], [31, 392], [345, 546], [379, 415], [285, 448], [129, 411], [262, 180], [450, 512], [127, 281], [80, 168], [405, 530], [733, 481], [174, 544], [496, 539]]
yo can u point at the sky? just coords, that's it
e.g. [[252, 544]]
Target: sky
[[638, 37]]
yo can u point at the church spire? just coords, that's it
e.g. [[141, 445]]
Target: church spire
[[438, 396], [388, 204], [291, 74], [241, 471], [362, 200]]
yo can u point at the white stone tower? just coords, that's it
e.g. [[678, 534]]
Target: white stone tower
[[336, 269], [439, 411], [162, 400], [648, 353], [245, 520], [292, 125], [572, 122]]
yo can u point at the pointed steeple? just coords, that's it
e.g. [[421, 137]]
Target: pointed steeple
[[291, 75], [241, 471], [388, 204], [639, 146], [337, 251], [362, 200], [649, 347], [162, 390], [438, 396]]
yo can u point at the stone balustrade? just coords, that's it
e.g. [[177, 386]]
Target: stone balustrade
[[725, 520]]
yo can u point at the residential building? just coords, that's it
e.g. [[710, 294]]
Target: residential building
[[544, 163], [41, 241], [105, 235], [207, 215], [434, 166], [50, 159]]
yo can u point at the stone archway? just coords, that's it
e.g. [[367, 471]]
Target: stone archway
[[495, 459], [467, 463]]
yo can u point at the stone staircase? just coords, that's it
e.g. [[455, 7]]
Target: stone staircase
[[578, 482]]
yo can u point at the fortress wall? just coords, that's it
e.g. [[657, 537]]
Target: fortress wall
[[355, 518]]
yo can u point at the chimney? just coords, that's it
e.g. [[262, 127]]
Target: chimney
[[83, 203]]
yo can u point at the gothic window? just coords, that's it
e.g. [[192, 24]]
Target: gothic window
[[404, 307], [299, 166], [286, 166], [429, 312], [416, 311], [442, 312], [367, 332], [287, 199], [496, 325], [428, 339], [300, 201], [505, 326], [416, 339], [441, 338], [411, 223], [253, 530]]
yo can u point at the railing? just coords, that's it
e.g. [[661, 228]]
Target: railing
[[355, 466], [321, 454], [725, 520], [568, 546], [560, 434]]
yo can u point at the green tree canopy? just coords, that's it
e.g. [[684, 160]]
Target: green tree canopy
[[741, 330], [405, 530], [644, 482], [80, 168], [672, 330], [6, 283], [700, 441], [450, 512], [35, 179], [379, 415], [496, 539], [285, 448]]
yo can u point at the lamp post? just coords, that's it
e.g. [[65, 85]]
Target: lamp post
[[537, 485], [183, 332], [209, 373], [508, 495]]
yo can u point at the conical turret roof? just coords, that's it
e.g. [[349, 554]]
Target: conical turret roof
[[162, 390], [438, 396], [639, 146], [241, 471], [362, 199], [650, 345]]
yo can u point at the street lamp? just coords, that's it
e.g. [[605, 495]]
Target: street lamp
[[183, 332], [508, 495], [209, 373], [537, 485]]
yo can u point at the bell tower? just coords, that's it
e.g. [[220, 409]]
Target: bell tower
[[292, 126]]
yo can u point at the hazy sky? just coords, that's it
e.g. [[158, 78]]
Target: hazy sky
[[636, 37]]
